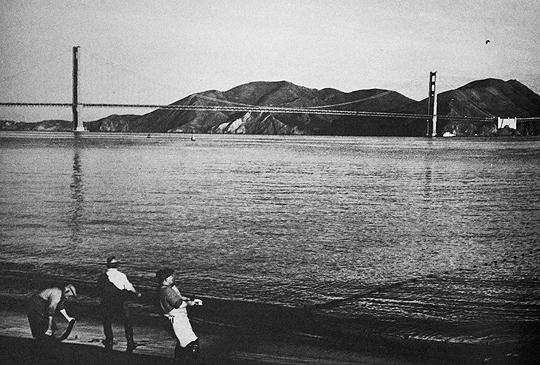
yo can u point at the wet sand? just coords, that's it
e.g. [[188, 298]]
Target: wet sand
[[83, 346], [254, 334]]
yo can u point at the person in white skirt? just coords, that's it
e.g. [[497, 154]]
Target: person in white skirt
[[173, 306]]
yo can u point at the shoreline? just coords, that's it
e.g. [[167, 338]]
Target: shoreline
[[256, 335], [83, 347], [237, 332]]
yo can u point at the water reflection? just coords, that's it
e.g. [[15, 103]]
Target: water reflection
[[77, 192], [428, 178], [428, 172]]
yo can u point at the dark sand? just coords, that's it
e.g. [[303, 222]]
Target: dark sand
[[253, 334], [83, 346]]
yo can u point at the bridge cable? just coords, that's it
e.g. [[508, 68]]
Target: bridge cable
[[136, 75], [29, 69], [305, 107], [467, 99]]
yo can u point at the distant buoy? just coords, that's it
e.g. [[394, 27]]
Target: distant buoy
[[148, 136], [192, 138]]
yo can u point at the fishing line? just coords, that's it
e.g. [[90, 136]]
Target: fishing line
[[335, 302], [148, 273], [385, 287]]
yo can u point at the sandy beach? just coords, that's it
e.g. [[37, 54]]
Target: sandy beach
[[220, 344], [232, 344], [234, 332], [83, 346]]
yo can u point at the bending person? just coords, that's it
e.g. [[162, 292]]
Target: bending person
[[42, 307], [174, 305]]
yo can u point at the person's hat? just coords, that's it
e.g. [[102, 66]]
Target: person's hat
[[71, 288], [112, 261], [163, 274]]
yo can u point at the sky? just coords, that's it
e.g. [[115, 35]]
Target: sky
[[160, 51]]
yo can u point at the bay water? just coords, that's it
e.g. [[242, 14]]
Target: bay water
[[435, 238]]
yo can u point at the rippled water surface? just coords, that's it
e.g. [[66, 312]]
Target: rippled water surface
[[412, 231]]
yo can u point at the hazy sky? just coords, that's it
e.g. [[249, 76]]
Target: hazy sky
[[159, 51]]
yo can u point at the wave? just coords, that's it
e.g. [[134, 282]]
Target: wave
[[366, 330]]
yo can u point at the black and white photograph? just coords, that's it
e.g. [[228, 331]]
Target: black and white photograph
[[262, 182]]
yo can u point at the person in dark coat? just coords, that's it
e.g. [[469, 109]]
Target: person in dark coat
[[115, 289]]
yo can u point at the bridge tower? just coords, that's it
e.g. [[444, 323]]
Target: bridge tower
[[432, 106], [77, 124]]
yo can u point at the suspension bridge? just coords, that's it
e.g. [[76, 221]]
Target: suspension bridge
[[431, 116]]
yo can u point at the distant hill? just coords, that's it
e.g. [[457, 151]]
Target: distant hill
[[279, 94], [482, 98], [43, 126]]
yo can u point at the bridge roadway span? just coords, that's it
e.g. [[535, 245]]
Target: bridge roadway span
[[259, 109]]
